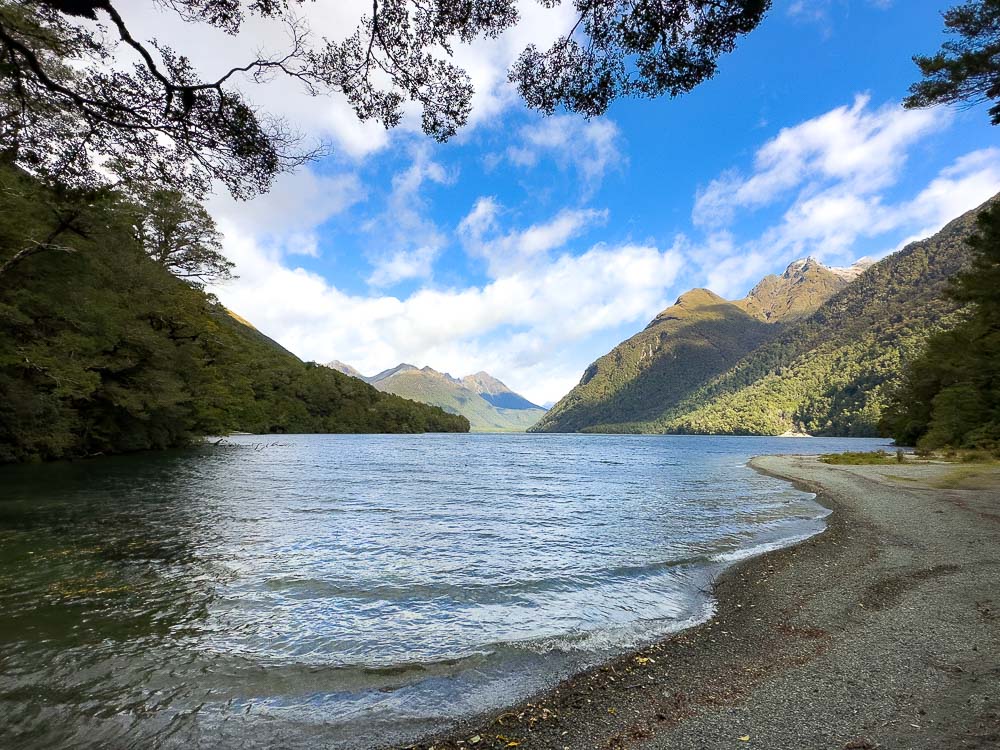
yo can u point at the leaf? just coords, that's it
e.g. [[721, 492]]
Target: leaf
[[744, 738]]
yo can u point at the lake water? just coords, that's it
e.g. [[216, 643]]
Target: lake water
[[347, 591]]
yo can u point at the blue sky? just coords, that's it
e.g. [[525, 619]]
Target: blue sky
[[529, 246]]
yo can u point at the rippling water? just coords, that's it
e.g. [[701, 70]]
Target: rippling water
[[346, 591]]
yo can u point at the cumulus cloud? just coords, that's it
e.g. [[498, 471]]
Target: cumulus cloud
[[413, 241], [829, 221], [286, 220]]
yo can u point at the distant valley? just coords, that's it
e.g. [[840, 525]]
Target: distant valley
[[488, 404]]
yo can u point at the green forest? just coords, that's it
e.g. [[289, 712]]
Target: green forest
[[835, 372], [104, 350], [950, 396]]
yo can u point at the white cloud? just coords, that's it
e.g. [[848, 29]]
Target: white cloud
[[519, 249], [591, 147], [285, 220], [403, 264], [860, 149], [411, 240], [829, 223], [302, 199], [818, 11]]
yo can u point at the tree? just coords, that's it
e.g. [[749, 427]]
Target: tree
[[178, 233], [967, 69], [64, 108], [951, 395]]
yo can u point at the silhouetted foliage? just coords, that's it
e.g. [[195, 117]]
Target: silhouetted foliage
[[159, 123], [625, 48], [967, 69]]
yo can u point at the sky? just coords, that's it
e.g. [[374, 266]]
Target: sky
[[528, 246]]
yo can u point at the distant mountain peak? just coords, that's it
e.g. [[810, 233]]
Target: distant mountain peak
[[486, 401], [801, 265], [799, 291], [854, 270], [402, 367], [496, 391], [346, 369], [697, 297], [692, 303]]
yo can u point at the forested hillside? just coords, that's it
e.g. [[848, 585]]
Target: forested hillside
[[950, 396], [103, 350], [829, 373], [832, 373], [698, 337]]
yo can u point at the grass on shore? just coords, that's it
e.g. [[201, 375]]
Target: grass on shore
[[971, 477], [862, 458]]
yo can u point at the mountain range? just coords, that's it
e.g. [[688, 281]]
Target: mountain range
[[488, 404], [814, 350]]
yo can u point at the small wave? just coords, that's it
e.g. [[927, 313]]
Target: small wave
[[746, 553], [490, 591]]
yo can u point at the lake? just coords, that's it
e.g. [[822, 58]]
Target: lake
[[347, 591]]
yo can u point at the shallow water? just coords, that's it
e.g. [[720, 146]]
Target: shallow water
[[345, 591]]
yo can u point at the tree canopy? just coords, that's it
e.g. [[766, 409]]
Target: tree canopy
[[951, 395], [70, 110], [179, 234], [967, 68]]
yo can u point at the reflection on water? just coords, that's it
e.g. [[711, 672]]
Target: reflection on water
[[346, 590]]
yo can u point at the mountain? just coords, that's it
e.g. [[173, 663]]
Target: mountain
[[488, 404], [701, 335], [496, 392], [827, 372], [833, 372], [346, 369], [803, 287]]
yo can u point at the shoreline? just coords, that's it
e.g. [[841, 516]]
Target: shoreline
[[883, 631]]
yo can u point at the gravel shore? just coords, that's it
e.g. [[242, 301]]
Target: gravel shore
[[883, 632]]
